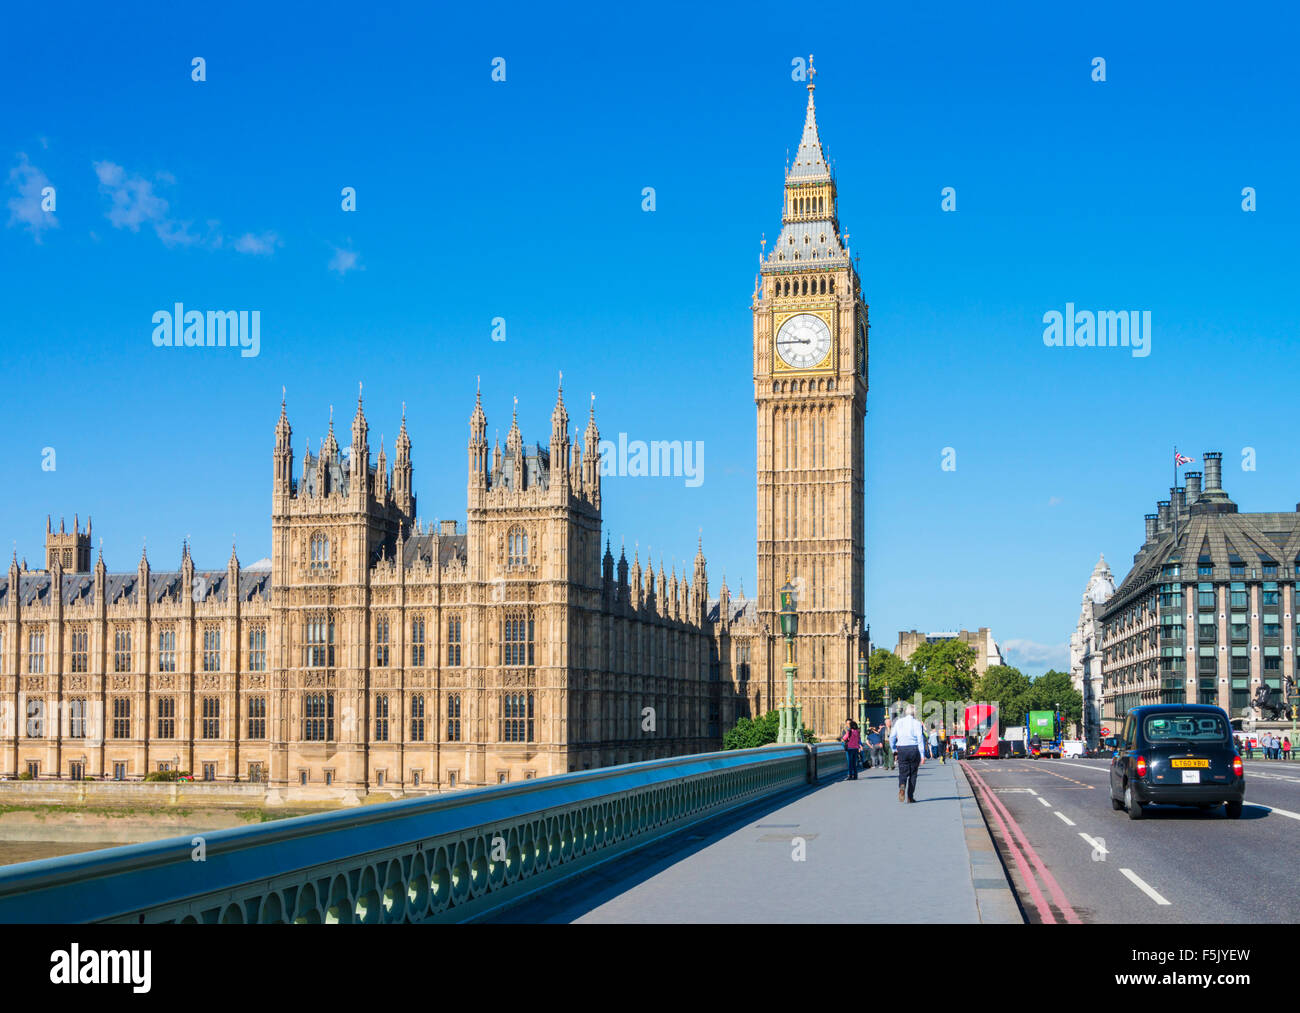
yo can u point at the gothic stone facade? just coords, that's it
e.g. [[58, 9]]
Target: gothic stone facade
[[376, 653], [372, 653], [1085, 650]]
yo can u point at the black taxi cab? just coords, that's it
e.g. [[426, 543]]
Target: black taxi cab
[[1176, 754]]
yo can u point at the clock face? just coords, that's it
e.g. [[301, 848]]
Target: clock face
[[803, 341]]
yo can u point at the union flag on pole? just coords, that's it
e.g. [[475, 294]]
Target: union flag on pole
[[1180, 460]]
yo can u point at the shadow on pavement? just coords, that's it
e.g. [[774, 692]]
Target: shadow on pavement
[[587, 890]]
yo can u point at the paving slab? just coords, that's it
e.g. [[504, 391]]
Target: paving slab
[[846, 851]]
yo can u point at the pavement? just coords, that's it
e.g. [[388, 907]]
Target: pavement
[[1078, 856], [841, 852]]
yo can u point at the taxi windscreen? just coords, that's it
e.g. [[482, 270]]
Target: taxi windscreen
[[1174, 727]]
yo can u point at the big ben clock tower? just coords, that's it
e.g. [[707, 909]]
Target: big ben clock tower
[[810, 386]]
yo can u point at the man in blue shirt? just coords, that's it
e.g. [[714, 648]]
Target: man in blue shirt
[[908, 742]]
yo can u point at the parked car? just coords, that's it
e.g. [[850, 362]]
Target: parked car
[[1176, 754]]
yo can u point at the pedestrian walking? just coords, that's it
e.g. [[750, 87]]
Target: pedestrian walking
[[934, 742], [908, 740], [852, 744], [886, 742], [943, 744], [874, 740], [1286, 748]]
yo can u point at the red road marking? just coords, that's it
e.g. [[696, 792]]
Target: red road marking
[[1035, 895], [1053, 887]]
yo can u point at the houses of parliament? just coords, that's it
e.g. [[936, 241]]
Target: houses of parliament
[[375, 652]]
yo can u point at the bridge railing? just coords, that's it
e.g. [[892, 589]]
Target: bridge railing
[[451, 857]]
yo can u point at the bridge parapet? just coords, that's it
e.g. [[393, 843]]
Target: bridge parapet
[[451, 857]]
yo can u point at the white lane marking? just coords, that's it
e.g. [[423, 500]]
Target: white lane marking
[[1030, 790], [1045, 802], [1136, 880], [1280, 812], [1065, 819], [1082, 766], [1095, 844]]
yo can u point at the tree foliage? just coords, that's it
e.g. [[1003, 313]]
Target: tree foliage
[[752, 733], [945, 670], [1052, 689], [887, 668], [1009, 688]]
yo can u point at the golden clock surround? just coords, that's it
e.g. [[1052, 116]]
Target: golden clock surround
[[824, 309]]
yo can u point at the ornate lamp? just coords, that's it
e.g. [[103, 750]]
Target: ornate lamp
[[862, 691], [789, 728]]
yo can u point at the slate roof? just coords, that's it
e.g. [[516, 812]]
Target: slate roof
[[742, 610], [1219, 539], [34, 588]]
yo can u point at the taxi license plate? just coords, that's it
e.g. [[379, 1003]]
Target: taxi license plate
[[1191, 777], [1189, 763]]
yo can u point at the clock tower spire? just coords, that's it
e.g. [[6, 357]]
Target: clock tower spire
[[810, 389]]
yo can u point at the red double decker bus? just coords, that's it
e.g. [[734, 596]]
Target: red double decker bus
[[982, 730]]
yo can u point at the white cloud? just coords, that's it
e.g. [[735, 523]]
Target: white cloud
[[134, 203], [344, 261], [1054, 501], [260, 246], [1030, 653], [25, 209]]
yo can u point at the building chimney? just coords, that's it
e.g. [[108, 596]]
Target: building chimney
[[1193, 479], [1162, 516], [448, 527], [1213, 471], [1151, 526], [1177, 503]]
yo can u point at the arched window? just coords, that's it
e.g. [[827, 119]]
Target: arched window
[[517, 641], [381, 642], [517, 547], [320, 552]]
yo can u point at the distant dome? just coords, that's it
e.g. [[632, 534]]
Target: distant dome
[[261, 564], [1101, 589]]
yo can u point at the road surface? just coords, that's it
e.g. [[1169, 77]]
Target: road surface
[[1072, 858]]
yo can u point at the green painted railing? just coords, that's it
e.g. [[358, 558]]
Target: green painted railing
[[452, 857]]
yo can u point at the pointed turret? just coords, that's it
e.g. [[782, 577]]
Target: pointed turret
[[809, 162], [478, 445], [403, 470], [622, 587], [591, 457], [810, 232], [360, 465], [560, 444], [282, 457], [329, 450], [636, 590], [381, 474]]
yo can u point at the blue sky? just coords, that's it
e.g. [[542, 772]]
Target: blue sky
[[479, 199]]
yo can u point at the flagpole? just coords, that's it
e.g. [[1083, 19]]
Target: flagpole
[[1173, 503]]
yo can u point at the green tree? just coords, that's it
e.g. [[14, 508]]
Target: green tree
[[752, 733], [887, 668], [945, 670], [1007, 687], [1053, 689]]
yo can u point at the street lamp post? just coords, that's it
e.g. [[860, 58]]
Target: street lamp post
[[790, 724], [862, 693]]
